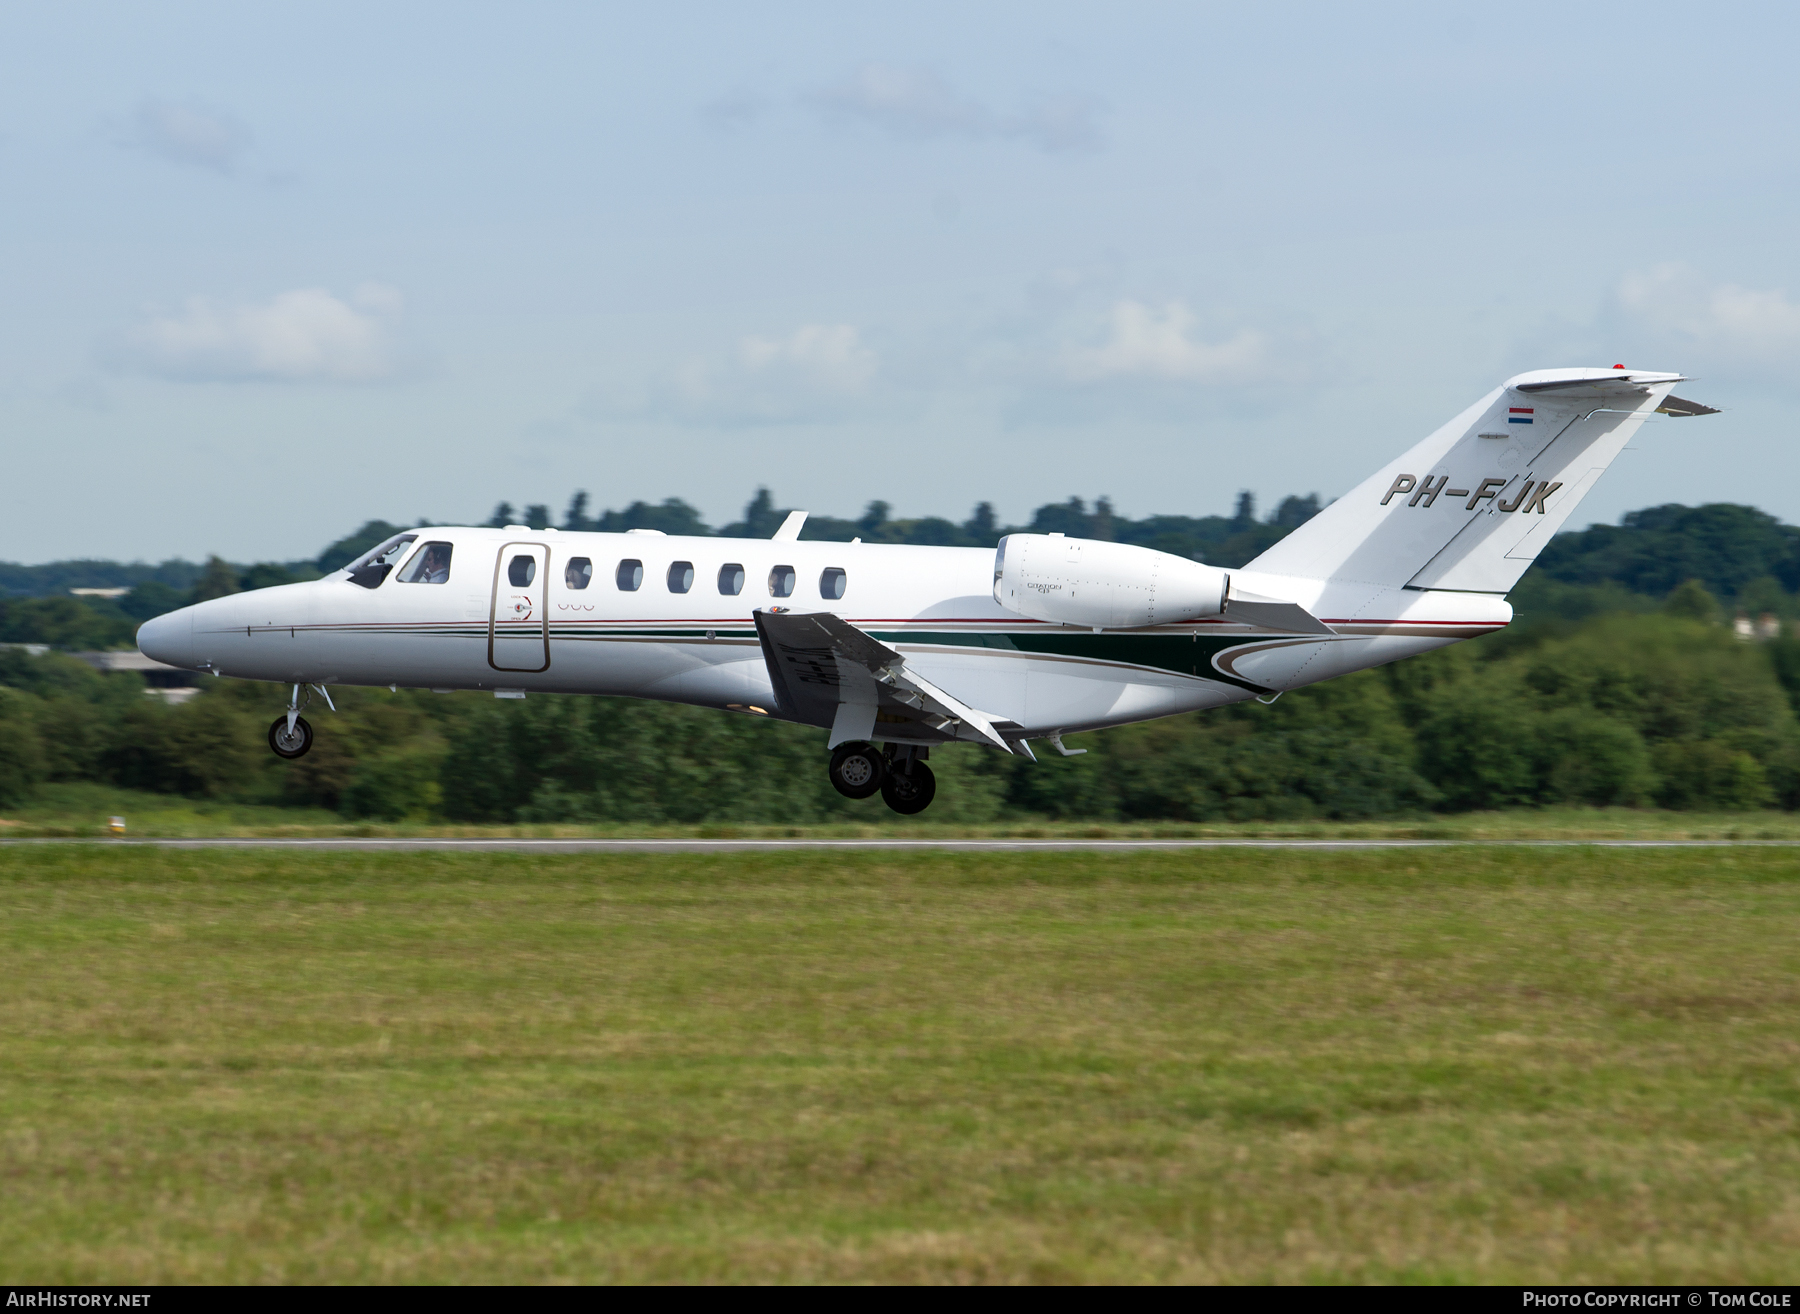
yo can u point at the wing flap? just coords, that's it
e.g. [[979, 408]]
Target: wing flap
[[826, 672]]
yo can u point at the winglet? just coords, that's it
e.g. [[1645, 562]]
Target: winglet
[[790, 528]]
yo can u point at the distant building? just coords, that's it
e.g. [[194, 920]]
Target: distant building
[[100, 593], [1766, 626], [170, 683]]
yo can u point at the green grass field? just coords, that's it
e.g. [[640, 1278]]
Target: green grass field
[[1440, 1065]]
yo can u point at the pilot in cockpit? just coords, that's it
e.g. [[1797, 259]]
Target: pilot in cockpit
[[435, 568]]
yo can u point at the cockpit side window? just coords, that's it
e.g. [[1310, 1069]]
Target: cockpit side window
[[430, 565], [373, 566]]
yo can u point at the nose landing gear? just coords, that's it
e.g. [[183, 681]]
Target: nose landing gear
[[290, 740], [899, 775], [289, 734]]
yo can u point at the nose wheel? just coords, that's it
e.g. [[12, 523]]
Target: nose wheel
[[290, 736], [290, 741]]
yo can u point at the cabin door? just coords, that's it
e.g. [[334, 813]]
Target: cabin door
[[519, 617]]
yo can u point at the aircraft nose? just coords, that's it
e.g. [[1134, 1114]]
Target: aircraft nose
[[169, 638]]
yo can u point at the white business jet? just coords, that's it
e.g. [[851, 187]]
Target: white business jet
[[921, 646]]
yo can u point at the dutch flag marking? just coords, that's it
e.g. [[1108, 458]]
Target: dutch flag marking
[[1519, 414]]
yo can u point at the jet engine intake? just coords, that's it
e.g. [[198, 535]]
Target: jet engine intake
[[1110, 586]]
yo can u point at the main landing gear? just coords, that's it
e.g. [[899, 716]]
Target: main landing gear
[[899, 775], [289, 734]]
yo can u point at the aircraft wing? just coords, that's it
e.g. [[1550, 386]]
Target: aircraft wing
[[826, 672]]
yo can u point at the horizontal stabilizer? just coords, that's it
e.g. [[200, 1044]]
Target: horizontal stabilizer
[[1679, 406], [826, 672], [1623, 382]]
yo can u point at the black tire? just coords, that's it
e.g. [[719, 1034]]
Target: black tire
[[909, 793], [857, 770], [288, 746]]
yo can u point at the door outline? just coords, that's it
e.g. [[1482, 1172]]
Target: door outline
[[543, 605]]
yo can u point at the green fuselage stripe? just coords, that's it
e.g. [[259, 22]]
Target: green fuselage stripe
[[1177, 654]]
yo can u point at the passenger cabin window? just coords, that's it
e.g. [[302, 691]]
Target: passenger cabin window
[[578, 574], [781, 582], [373, 566], [681, 577], [629, 576], [831, 584], [521, 570], [731, 579], [430, 565]]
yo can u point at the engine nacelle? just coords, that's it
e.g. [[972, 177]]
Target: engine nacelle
[[1110, 586]]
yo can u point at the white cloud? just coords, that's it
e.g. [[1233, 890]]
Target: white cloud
[[828, 356], [1761, 317], [920, 103], [188, 134], [1675, 299], [735, 109], [306, 334], [1146, 343], [816, 372], [910, 102], [1058, 124]]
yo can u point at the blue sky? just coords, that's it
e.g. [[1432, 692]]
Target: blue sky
[[271, 271]]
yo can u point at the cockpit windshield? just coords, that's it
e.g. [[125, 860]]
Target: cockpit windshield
[[373, 566]]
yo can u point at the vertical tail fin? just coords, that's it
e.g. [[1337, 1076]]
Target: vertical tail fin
[[1470, 507]]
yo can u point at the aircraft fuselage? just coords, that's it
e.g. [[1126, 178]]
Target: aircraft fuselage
[[575, 626]]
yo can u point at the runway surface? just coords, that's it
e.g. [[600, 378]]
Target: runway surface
[[890, 845]]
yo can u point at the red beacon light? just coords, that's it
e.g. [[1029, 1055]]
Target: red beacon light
[[1618, 367]]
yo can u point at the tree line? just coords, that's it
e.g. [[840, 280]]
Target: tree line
[[36, 608], [1744, 557], [1664, 708], [1620, 683]]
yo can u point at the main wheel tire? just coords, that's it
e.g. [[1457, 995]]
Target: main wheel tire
[[857, 770], [909, 793], [288, 745]]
